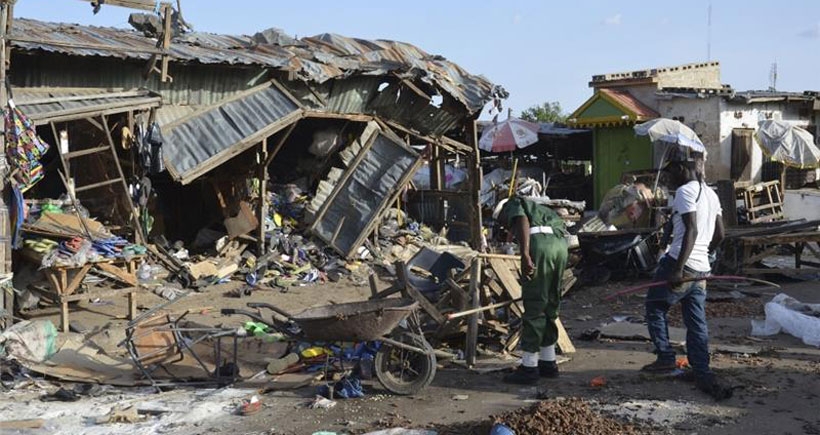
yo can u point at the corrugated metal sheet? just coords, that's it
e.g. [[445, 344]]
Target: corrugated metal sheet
[[40, 105], [318, 59], [203, 85], [212, 137]]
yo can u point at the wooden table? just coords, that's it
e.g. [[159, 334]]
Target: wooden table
[[66, 280], [752, 249]]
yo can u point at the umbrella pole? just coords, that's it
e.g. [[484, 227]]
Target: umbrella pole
[[512, 179], [783, 180]]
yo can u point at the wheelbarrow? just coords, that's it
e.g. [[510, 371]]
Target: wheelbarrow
[[404, 363], [616, 254]]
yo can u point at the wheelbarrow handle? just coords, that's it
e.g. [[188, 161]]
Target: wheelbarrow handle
[[275, 309], [251, 314]]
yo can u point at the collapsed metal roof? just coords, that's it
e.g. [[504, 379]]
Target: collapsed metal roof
[[52, 105], [201, 141], [317, 59]]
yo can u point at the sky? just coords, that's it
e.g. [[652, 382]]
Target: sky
[[538, 50]]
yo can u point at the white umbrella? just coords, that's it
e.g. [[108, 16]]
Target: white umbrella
[[788, 144], [670, 131], [673, 133], [508, 135]]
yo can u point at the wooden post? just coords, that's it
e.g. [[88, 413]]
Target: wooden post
[[435, 168], [475, 185], [472, 326], [166, 40], [6, 297], [263, 193]]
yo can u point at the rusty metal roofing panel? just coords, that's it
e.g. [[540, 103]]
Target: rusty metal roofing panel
[[317, 59], [195, 145], [43, 105]]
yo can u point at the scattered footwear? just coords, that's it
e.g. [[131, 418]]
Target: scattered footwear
[[523, 376], [660, 366], [548, 369]]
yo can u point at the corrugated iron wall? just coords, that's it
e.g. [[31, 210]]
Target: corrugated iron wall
[[193, 84]]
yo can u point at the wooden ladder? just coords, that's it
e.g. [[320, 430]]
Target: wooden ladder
[[118, 182]]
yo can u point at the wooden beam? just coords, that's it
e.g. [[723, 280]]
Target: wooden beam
[[99, 126], [279, 144], [474, 169], [472, 326], [166, 41], [134, 213], [262, 171], [145, 5]]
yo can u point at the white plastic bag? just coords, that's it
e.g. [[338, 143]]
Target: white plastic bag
[[782, 314]]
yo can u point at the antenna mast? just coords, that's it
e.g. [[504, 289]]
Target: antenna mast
[[773, 77], [709, 33]]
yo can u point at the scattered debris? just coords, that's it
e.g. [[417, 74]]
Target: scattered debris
[[320, 402]]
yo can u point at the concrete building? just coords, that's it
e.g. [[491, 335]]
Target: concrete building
[[725, 119]]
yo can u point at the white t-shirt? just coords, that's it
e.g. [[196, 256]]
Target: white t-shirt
[[707, 209]]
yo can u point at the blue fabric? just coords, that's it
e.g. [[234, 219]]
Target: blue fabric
[[347, 388], [692, 297], [17, 215]]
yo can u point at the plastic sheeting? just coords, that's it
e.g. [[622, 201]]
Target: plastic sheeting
[[787, 314]]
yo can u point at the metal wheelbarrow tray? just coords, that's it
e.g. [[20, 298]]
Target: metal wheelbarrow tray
[[354, 321]]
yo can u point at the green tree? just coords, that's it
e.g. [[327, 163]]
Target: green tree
[[547, 112]]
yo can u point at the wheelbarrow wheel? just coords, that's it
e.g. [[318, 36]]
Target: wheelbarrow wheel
[[403, 371]]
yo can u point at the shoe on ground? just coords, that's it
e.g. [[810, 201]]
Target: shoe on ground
[[523, 376], [660, 367], [548, 369]]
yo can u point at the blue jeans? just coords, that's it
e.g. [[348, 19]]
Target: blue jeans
[[692, 296]]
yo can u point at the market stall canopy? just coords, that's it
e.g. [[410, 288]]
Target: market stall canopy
[[670, 131], [788, 144], [508, 135]]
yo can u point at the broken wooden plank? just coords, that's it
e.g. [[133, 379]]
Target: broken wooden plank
[[564, 343], [118, 272], [34, 423]]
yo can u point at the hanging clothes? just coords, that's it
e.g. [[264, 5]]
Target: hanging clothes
[[24, 147]]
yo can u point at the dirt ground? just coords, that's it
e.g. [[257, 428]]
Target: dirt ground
[[778, 387]]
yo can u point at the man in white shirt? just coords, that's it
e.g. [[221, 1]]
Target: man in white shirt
[[697, 230]]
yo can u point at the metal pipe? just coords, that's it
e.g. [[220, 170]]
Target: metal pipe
[[708, 278]]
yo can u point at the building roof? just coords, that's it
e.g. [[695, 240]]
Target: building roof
[[318, 59], [609, 107]]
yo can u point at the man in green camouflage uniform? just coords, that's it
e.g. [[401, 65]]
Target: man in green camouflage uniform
[[540, 234]]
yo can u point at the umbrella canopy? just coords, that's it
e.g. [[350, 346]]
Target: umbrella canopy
[[790, 145], [508, 135], [670, 131]]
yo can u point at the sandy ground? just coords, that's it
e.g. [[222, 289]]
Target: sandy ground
[[777, 395]]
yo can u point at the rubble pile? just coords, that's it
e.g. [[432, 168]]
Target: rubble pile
[[557, 416]]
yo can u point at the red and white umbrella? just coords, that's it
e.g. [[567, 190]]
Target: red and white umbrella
[[508, 135]]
